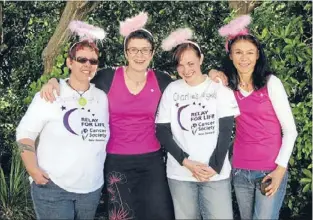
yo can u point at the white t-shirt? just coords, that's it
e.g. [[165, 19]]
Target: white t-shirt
[[193, 112], [72, 145]]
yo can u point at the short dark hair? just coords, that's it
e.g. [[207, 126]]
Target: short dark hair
[[140, 34], [181, 48], [260, 73], [81, 45]]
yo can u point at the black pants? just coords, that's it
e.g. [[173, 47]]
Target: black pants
[[137, 188]]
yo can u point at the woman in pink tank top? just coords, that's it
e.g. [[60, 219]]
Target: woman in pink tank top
[[260, 153], [136, 183]]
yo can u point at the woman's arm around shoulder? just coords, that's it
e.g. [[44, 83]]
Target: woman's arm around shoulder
[[103, 79], [164, 79]]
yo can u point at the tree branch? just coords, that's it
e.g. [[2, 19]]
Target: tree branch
[[244, 7]]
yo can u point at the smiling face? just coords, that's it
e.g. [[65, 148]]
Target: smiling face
[[83, 72], [244, 55], [189, 66], [139, 54]]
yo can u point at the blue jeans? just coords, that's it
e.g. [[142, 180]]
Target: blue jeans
[[252, 204], [53, 202], [209, 200]]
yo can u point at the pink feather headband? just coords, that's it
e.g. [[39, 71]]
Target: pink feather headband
[[236, 27], [86, 32], [177, 37], [132, 24]]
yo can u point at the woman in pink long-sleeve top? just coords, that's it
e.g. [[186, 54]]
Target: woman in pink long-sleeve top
[[265, 129]]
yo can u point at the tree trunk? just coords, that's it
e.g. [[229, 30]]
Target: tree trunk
[[244, 7], [74, 10]]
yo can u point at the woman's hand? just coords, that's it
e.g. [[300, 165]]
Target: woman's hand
[[39, 176], [277, 176], [199, 170], [210, 170], [216, 76], [46, 91]]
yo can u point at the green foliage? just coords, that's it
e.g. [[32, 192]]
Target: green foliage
[[10, 106], [59, 70], [25, 36], [307, 180], [15, 202], [285, 29]]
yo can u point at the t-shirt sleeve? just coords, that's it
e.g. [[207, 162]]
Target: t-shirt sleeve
[[163, 127], [226, 102], [34, 119], [164, 111]]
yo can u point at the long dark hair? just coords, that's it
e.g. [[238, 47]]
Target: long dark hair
[[260, 73]]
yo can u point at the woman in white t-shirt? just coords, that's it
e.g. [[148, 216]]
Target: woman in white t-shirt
[[194, 124], [66, 167]]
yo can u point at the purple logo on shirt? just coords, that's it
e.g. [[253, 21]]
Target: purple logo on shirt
[[66, 120], [91, 128]]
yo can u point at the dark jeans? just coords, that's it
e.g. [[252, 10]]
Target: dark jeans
[[53, 202], [137, 188]]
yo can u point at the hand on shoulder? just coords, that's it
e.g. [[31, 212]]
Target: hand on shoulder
[[47, 89]]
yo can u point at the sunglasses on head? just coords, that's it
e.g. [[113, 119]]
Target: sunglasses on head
[[84, 60]]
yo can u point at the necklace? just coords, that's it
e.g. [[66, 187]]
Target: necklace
[[81, 101], [245, 85], [242, 83]]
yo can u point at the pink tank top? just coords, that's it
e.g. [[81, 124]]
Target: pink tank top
[[132, 117], [258, 132]]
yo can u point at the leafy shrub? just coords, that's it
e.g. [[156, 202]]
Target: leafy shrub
[[15, 201], [285, 28]]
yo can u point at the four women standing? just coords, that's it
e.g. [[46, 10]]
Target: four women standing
[[194, 124]]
